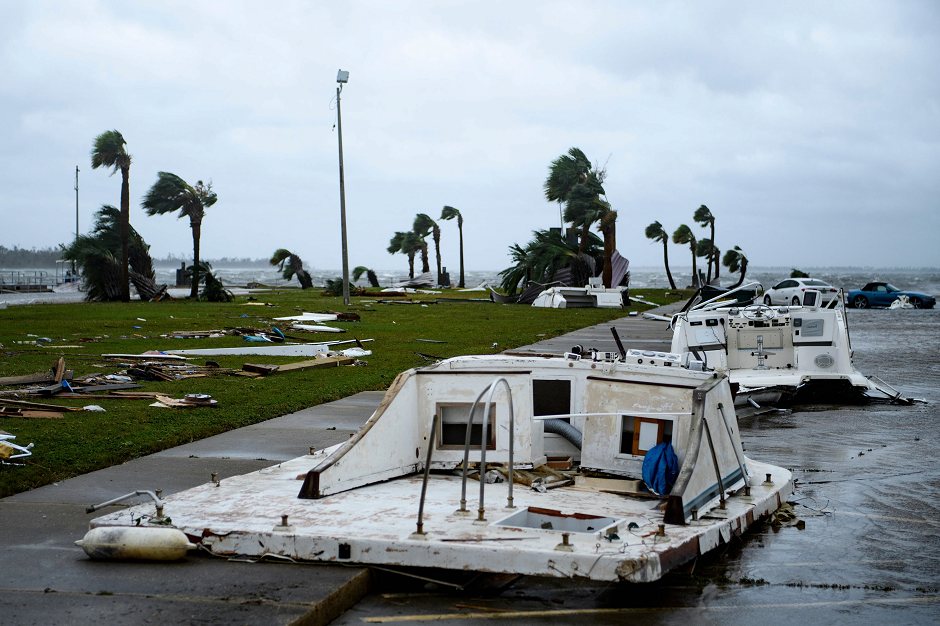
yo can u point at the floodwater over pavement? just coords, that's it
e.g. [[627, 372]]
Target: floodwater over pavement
[[868, 490]]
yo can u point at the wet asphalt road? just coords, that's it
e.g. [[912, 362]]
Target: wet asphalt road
[[868, 490]]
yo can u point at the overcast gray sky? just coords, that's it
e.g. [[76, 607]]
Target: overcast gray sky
[[810, 129]]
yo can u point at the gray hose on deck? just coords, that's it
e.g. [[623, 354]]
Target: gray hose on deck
[[566, 430]]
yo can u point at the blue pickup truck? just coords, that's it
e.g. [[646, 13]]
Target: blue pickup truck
[[883, 294]]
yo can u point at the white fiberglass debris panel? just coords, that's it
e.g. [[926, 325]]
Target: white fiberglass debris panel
[[278, 349]]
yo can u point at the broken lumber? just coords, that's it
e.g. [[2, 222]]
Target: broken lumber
[[38, 405], [32, 379], [300, 366]]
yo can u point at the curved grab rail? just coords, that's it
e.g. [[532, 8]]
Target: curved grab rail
[[466, 453]]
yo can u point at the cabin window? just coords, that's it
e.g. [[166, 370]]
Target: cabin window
[[640, 434], [551, 397], [452, 420]]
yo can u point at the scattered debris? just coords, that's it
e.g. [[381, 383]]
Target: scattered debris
[[190, 401], [94, 408], [300, 366]]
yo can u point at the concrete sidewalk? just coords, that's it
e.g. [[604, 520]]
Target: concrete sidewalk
[[45, 578]]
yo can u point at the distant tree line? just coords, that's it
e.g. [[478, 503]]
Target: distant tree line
[[44, 258]]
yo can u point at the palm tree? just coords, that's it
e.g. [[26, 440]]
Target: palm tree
[[290, 265], [424, 225], [362, 269], [172, 193], [573, 181], [407, 243], [564, 173], [98, 257], [734, 260], [656, 232], [703, 216], [547, 253], [449, 213], [108, 151], [706, 249], [682, 235]]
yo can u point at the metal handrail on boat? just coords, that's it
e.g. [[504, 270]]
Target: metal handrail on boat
[[466, 454]]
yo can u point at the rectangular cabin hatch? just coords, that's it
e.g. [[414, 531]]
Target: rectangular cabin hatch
[[639, 435], [452, 426], [549, 519], [551, 397]]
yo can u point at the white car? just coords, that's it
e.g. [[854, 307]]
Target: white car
[[790, 291]]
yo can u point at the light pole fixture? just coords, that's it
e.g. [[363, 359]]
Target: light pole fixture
[[342, 77]]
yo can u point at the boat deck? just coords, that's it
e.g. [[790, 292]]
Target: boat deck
[[376, 524]]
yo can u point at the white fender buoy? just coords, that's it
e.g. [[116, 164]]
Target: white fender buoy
[[136, 542]]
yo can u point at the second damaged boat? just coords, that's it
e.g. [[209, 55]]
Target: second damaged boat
[[397, 493], [778, 354]]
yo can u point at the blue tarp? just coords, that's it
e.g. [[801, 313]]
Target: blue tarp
[[660, 468]]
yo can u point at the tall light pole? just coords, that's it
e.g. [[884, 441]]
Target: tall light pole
[[342, 77], [76, 216]]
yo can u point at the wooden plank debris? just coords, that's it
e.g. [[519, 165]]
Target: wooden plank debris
[[300, 366], [38, 405], [33, 379]]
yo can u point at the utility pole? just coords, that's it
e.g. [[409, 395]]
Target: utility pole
[[342, 77], [76, 216]]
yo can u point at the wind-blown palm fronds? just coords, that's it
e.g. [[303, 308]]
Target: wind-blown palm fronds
[[290, 265], [359, 270], [703, 216], [735, 260], [684, 234], [108, 151], [424, 226], [656, 232], [172, 193], [449, 213], [98, 257]]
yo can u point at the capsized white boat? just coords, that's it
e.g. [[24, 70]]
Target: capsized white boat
[[778, 355], [391, 495]]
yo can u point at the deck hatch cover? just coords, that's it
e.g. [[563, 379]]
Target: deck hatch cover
[[550, 519]]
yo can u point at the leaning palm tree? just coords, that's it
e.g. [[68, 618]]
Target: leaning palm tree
[[735, 260], [449, 213], [172, 193], [98, 257], [656, 232], [424, 225], [108, 151], [542, 257], [407, 243], [683, 234], [573, 181], [362, 269], [290, 265], [703, 217], [563, 174], [709, 251]]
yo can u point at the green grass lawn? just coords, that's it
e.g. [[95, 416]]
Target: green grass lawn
[[86, 441]]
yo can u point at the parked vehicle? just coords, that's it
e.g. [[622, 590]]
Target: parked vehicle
[[883, 294], [790, 291]]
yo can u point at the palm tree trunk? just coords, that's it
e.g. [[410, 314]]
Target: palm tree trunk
[[672, 283], [197, 232], [425, 262], [460, 228], [411, 264], [125, 234], [743, 263], [695, 284], [712, 224], [610, 244], [437, 250], [585, 231], [717, 261]]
